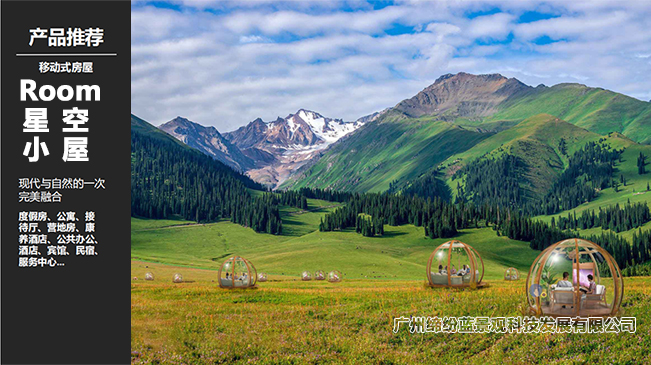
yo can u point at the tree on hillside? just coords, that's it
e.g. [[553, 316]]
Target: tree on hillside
[[641, 164], [369, 226], [562, 146], [497, 181]]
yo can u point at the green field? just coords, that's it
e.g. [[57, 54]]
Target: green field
[[295, 322], [402, 253], [288, 321]]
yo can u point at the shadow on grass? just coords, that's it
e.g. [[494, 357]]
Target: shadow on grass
[[391, 234], [287, 221], [221, 257]]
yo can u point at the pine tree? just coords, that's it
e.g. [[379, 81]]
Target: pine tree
[[641, 164], [562, 146]]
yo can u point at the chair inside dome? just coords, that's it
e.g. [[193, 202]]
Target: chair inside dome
[[454, 264], [237, 272], [511, 274], [575, 277]]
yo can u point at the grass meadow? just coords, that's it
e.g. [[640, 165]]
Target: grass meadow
[[288, 321]]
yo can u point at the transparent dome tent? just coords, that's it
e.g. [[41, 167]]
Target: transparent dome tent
[[319, 275], [237, 272], [334, 276], [178, 278], [575, 277], [262, 277], [455, 264], [306, 276], [511, 274]]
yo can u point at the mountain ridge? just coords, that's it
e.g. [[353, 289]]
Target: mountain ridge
[[207, 140], [461, 95], [268, 152], [469, 108], [486, 104]]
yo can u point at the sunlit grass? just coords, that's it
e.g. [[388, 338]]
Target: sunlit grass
[[290, 321]]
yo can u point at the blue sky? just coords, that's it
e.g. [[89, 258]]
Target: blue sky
[[226, 63]]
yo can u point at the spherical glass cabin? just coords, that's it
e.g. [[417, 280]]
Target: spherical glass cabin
[[149, 276], [262, 277], [306, 276], [511, 274], [319, 275], [237, 272], [455, 264], [576, 278], [334, 276], [178, 278]]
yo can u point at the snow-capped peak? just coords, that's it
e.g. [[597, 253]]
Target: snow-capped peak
[[282, 146], [328, 129], [304, 128]]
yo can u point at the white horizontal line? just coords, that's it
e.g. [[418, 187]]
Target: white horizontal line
[[64, 54]]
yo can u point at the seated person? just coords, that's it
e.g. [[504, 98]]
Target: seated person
[[592, 287], [464, 270], [564, 283], [453, 270], [441, 271]]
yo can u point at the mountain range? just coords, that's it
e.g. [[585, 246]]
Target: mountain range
[[267, 151], [458, 118], [463, 117]]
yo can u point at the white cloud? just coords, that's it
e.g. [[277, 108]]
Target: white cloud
[[496, 26], [586, 26], [243, 60], [252, 39]]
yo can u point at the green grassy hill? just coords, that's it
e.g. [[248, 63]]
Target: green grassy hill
[[536, 140], [530, 122], [635, 189], [291, 321], [595, 109], [402, 253], [397, 148], [542, 129], [542, 133]]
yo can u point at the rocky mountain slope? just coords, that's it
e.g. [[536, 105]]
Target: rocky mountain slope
[[463, 95], [269, 152], [282, 146], [209, 141]]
